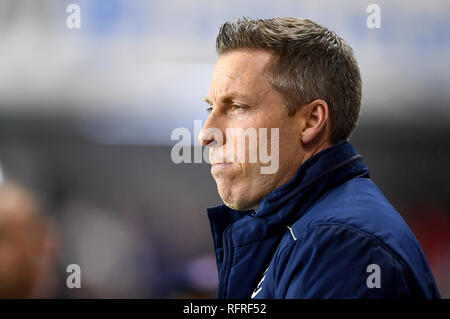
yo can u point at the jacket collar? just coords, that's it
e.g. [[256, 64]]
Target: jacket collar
[[284, 205], [326, 169]]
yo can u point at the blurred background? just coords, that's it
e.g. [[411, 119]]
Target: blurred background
[[86, 116]]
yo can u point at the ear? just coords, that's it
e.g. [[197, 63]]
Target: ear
[[314, 120]]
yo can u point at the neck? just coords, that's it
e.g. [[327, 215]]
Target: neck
[[311, 150]]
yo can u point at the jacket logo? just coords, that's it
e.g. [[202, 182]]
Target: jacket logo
[[259, 286]]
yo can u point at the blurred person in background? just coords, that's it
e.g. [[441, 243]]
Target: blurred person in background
[[23, 243]]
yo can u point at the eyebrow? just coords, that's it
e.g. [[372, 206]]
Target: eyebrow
[[205, 99], [226, 98]]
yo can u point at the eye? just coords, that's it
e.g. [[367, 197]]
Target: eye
[[209, 109], [236, 107]]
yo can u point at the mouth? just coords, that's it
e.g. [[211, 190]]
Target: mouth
[[219, 166]]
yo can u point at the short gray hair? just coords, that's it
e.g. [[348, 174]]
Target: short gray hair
[[309, 62]]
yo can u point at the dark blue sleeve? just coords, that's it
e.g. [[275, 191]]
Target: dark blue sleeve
[[338, 261]]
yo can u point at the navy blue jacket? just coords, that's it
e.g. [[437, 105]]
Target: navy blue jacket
[[327, 233]]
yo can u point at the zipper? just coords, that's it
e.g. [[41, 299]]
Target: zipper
[[227, 248]]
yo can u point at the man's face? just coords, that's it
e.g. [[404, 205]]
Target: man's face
[[241, 96]]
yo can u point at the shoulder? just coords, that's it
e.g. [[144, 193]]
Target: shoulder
[[359, 205], [349, 232], [330, 260]]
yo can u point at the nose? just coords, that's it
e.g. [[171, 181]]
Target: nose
[[211, 132]]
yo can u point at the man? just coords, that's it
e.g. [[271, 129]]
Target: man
[[23, 238], [318, 227]]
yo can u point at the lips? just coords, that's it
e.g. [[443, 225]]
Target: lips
[[220, 166], [220, 160]]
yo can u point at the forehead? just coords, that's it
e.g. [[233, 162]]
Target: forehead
[[240, 72]]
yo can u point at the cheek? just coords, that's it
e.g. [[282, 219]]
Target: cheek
[[237, 179], [242, 182], [288, 131]]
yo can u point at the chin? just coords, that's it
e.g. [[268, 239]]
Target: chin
[[233, 205], [237, 206], [237, 203], [234, 197]]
